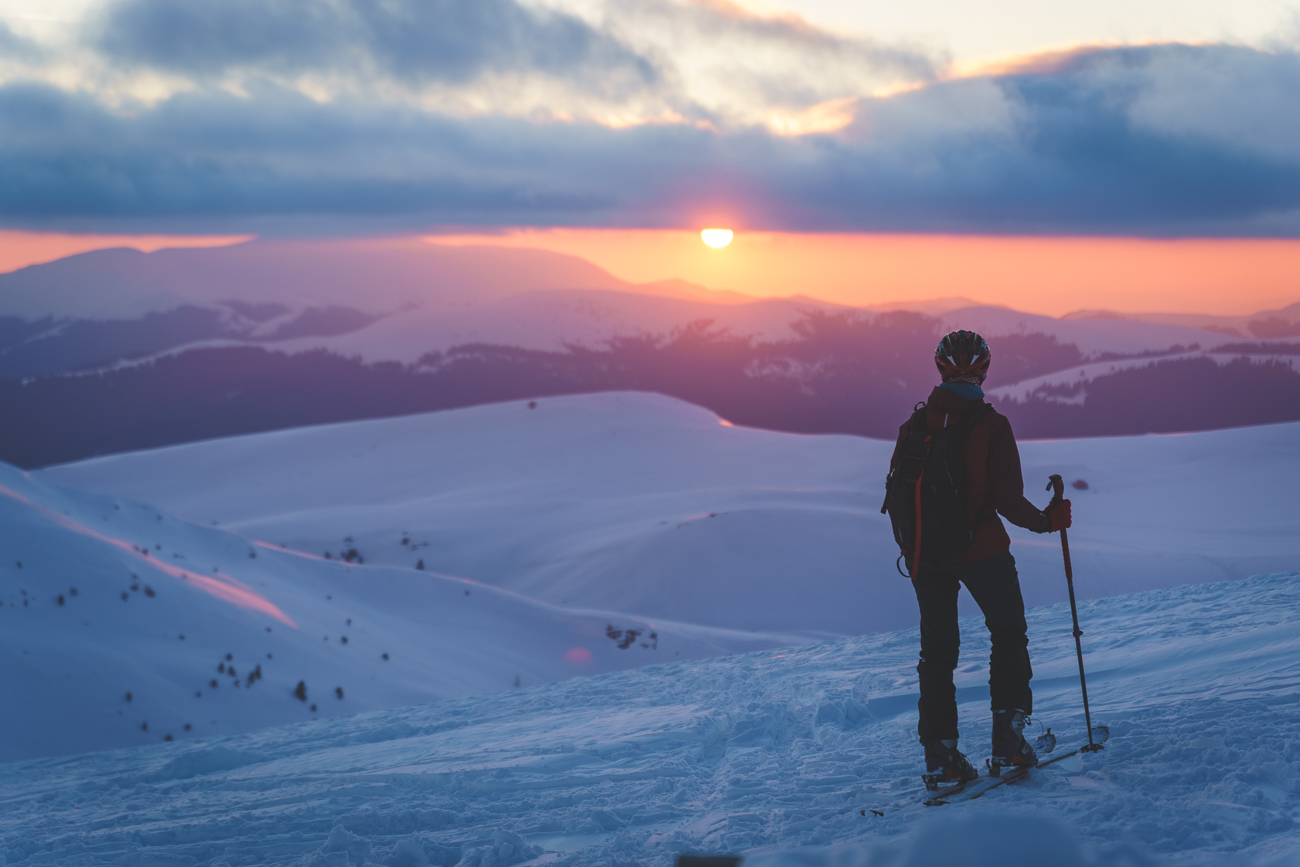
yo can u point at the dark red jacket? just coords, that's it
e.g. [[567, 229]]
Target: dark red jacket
[[994, 484]]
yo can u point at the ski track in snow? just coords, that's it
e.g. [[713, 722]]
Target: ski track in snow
[[762, 753]]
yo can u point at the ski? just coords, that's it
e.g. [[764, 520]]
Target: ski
[[978, 788], [1044, 744], [986, 784], [939, 791]]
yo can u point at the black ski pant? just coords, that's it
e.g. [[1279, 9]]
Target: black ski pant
[[996, 589]]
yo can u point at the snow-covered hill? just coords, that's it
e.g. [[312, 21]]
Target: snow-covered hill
[[1266, 324], [803, 756], [120, 625], [95, 309], [118, 350], [646, 505], [1093, 336], [550, 320], [375, 276], [1070, 386], [397, 299]]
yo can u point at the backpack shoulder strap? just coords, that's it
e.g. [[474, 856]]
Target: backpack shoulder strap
[[973, 418], [916, 424]]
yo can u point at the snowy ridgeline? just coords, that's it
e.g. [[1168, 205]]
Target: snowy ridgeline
[[803, 756], [120, 626], [510, 546], [650, 506]]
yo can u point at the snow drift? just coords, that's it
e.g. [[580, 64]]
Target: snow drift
[[120, 625], [646, 505], [803, 757]]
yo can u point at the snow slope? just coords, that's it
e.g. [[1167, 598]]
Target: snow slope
[[550, 320], [120, 625], [803, 756], [646, 505]]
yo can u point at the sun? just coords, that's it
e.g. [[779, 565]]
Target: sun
[[717, 238]]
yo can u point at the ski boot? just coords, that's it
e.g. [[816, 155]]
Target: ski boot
[[945, 765], [1010, 749]]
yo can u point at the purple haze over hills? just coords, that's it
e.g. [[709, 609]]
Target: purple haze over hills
[[191, 344]]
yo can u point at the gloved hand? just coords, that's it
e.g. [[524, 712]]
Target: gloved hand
[[1059, 515]]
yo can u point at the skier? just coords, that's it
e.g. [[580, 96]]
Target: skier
[[969, 547]]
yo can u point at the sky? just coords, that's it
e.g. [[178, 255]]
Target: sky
[[1050, 276], [815, 121]]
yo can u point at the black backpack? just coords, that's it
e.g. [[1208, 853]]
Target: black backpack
[[925, 493]]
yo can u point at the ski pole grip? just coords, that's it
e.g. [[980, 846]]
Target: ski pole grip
[[1056, 485]]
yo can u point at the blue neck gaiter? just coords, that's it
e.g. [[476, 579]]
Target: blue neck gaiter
[[965, 390]]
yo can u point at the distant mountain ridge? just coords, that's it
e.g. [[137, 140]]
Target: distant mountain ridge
[[98, 308], [376, 276], [131, 350], [398, 299], [1266, 324]]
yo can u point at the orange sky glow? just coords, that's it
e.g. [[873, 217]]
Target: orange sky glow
[[1051, 276]]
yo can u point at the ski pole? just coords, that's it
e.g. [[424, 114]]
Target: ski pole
[[1057, 487]]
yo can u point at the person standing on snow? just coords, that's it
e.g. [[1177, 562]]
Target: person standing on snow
[[956, 445]]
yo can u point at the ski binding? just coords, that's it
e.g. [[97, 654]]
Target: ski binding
[[1043, 745], [977, 788]]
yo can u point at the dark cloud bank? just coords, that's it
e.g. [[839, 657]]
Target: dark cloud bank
[[1159, 140], [449, 41]]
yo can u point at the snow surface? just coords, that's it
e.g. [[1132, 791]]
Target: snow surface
[[120, 625], [649, 506], [801, 756], [551, 320], [548, 320]]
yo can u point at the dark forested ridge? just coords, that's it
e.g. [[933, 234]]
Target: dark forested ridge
[[1167, 397], [842, 373], [48, 346]]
